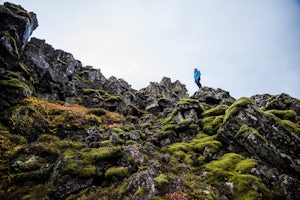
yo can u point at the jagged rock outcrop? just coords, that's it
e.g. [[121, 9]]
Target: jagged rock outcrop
[[16, 26], [67, 132]]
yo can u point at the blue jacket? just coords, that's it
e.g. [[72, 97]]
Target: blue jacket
[[197, 74]]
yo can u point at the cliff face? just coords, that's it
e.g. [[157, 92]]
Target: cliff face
[[67, 132]]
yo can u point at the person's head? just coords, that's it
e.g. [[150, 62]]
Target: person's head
[[195, 69]]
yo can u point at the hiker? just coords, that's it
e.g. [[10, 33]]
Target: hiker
[[197, 75]]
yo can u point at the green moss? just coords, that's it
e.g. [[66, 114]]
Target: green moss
[[286, 124], [221, 169], [47, 138], [117, 172], [96, 111], [245, 166], [33, 175], [189, 158], [248, 187], [170, 117], [113, 98], [103, 153], [236, 106], [187, 101], [246, 130], [79, 78], [24, 69], [212, 124], [161, 180], [82, 168], [291, 126], [163, 101], [184, 122], [61, 61], [177, 147], [284, 114], [117, 130], [193, 127], [167, 130], [28, 192], [179, 155], [209, 143], [16, 83], [123, 188], [233, 168], [130, 94], [216, 111], [139, 192], [89, 91]]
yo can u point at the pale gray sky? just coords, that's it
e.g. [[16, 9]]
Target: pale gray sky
[[246, 47]]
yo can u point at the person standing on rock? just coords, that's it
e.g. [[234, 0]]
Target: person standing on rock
[[197, 75]]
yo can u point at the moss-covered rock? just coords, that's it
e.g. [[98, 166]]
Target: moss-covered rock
[[236, 106], [216, 111], [284, 114], [246, 131], [161, 180], [205, 143], [116, 172], [235, 169], [36, 116], [211, 124]]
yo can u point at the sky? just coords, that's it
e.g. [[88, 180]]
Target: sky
[[246, 47]]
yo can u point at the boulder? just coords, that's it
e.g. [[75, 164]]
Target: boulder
[[213, 97], [16, 26]]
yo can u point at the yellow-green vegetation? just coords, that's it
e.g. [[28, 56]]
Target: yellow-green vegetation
[[169, 118], [83, 168], [235, 169], [89, 91], [36, 114], [245, 131], [23, 68], [61, 61], [15, 83], [96, 111], [211, 124], [161, 180], [117, 172], [187, 101], [183, 123], [102, 153], [286, 124], [113, 98], [28, 192], [82, 162], [186, 150], [204, 142], [236, 106], [112, 119], [179, 146], [10, 144], [284, 114], [216, 111], [167, 130], [212, 119], [139, 192]]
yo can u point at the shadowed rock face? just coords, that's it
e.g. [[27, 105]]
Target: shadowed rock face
[[67, 132]]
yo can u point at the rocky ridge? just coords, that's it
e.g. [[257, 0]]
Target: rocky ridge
[[67, 132]]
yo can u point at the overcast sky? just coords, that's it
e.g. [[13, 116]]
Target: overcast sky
[[246, 47]]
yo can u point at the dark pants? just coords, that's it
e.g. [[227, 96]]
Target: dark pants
[[197, 81]]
